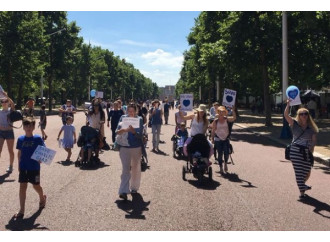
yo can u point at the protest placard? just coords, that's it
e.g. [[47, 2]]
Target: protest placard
[[1, 92], [293, 94], [229, 97], [43, 154], [186, 102], [127, 121], [99, 94]]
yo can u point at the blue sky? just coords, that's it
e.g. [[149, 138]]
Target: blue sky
[[153, 42]]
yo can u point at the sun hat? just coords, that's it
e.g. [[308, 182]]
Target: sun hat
[[202, 107]]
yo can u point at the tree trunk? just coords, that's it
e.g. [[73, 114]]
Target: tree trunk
[[267, 105]]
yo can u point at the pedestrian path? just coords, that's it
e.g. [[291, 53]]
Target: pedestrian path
[[256, 123]]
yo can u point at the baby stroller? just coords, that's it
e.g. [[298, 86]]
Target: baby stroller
[[178, 143], [198, 158], [89, 142]]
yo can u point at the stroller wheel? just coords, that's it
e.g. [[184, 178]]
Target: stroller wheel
[[184, 173], [199, 177]]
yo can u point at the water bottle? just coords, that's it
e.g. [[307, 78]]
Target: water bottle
[[60, 143]]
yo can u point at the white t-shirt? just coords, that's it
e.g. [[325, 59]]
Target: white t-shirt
[[94, 120], [178, 118], [222, 130], [196, 128]]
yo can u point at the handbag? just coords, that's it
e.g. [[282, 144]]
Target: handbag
[[288, 147], [14, 116]]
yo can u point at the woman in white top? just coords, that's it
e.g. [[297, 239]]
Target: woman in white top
[[6, 130], [220, 134], [199, 121]]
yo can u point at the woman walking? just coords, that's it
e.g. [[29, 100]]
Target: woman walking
[[302, 147], [6, 130], [130, 153], [220, 135], [155, 115]]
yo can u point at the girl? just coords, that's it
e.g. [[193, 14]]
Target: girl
[[69, 136], [6, 130], [304, 132]]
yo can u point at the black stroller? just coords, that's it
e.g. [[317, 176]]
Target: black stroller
[[89, 141], [198, 158]]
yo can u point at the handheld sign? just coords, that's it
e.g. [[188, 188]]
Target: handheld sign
[[43, 154], [93, 92], [292, 92], [127, 121], [99, 94], [186, 101], [229, 97], [1, 92]]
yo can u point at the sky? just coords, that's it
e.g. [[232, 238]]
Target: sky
[[153, 41]]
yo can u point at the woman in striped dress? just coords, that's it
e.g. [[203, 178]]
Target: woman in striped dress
[[302, 147]]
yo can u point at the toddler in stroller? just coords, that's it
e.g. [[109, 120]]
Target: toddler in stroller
[[89, 142], [178, 141], [199, 150]]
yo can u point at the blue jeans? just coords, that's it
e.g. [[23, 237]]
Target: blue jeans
[[222, 147], [155, 135]]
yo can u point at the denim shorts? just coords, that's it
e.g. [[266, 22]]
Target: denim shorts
[[7, 134]]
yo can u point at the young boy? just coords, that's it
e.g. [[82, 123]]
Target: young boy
[[29, 169], [43, 121], [182, 132]]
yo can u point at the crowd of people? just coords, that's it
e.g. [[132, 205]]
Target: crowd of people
[[131, 142]]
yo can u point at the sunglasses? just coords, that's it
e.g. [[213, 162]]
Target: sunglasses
[[4, 101], [301, 114]]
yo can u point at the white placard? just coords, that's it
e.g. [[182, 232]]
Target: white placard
[[1, 92], [127, 121], [186, 102], [293, 94], [229, 97], [44, 155], [99, 94]]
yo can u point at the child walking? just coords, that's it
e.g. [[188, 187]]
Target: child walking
[[29, 169], [69, 138], [43, 121]]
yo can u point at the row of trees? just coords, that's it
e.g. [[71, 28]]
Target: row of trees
[[243, 51], [42, 48]]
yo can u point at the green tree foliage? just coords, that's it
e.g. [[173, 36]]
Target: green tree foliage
[[243, 51], [37, 45]]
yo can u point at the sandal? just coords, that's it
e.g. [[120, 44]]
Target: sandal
[[18, 215], [43, 204]]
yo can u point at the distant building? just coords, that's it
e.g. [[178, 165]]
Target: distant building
[[167, 91]]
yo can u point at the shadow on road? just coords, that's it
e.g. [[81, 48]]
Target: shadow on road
[[25, 224], [319, 206], [134, 208], [246, 136], [326, 170], [65, 163], [99, 165], [3, 178], [205, 185], [233, 177]]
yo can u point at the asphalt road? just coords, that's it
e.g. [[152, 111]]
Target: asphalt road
[[258, 194]]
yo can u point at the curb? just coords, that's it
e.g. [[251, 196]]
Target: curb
[[317, 156]]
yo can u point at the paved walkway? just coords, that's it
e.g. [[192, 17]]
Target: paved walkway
[[255, 123]]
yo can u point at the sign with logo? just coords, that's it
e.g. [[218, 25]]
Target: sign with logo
[[186, 102], [43, 154], [229, 97], [127, 121], [293, 94]]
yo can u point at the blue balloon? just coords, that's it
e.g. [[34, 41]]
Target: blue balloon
[[93, 92], [292, 92]]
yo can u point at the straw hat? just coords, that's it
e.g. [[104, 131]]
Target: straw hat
[[202, 107]]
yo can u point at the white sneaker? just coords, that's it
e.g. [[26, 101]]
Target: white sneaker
[[9, 169]]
